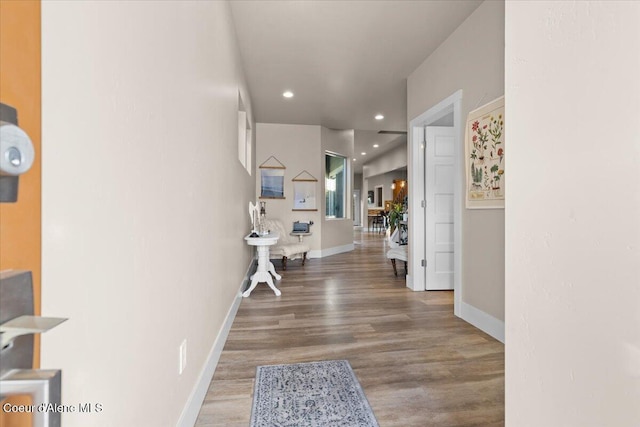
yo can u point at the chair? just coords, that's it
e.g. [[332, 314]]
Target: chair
[[288, 247], [397, 251], [380, 222]]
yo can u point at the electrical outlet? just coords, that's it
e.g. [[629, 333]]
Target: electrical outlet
[[182, 356]]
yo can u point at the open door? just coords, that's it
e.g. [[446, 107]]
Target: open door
[[439, 215]]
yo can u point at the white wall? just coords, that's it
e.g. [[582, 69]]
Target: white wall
[[144, 200], [573, 214], [471, 59], [298, 147]]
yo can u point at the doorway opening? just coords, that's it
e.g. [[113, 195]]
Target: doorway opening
[[357, 209], [379, 196], [435, 214]]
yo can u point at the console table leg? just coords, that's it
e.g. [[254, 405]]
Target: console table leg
[[254, 283], [273, 287], [272, 270], [265, 267]]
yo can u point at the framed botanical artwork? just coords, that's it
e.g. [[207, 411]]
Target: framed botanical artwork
[[485, 156]]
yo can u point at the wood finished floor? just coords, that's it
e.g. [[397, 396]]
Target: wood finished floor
[[418, 364]]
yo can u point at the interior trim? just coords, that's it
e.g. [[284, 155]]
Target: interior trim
[[483, 321], [194, 402]]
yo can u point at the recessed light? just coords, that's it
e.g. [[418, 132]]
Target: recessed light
[[288, 94], [354, 159], [363, 153], [379, 117], [375, 146]]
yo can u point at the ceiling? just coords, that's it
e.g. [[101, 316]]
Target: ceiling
[[365, 141], [345, 61]]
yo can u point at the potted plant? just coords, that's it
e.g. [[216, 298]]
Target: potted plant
[[395, 215]]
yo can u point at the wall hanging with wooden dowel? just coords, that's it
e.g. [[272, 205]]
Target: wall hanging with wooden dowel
[[272, 179], [304, 192]]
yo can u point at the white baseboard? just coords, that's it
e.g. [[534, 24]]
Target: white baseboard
[[194, 403], [483, 321], [409, 282], [330, 251], [314, 254]]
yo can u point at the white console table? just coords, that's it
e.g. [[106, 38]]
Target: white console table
[[265, 267]]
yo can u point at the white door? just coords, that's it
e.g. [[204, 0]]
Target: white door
[[439, 193]]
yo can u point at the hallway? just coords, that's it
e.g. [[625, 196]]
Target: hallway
[[418, 364]]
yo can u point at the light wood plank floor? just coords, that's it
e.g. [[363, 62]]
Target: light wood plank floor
[[418, 364]]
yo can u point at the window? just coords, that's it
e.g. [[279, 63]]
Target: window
[[244, 136], [335, 185]]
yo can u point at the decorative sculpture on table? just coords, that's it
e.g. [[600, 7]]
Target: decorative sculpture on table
[[254, 218], [258, 215]]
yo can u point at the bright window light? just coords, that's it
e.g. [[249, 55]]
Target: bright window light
[[331, 184]]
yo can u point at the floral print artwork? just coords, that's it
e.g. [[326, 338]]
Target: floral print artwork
[[485, 156]]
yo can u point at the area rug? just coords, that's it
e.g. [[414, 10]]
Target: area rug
[[314, 394]]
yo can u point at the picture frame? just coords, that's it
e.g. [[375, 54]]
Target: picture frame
[[304, 196], [304, 192], [485, 156], [272, 184], [272, 179]]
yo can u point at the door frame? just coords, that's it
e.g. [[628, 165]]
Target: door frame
[[378, 203], [416, 279]]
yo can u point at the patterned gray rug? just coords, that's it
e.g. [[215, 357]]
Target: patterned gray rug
[[315, 394]]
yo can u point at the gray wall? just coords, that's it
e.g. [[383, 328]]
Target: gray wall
[[471, 59], [385, 180], [357, 181], [144, 206], [298, 147], [392, 160], [338, 232]]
